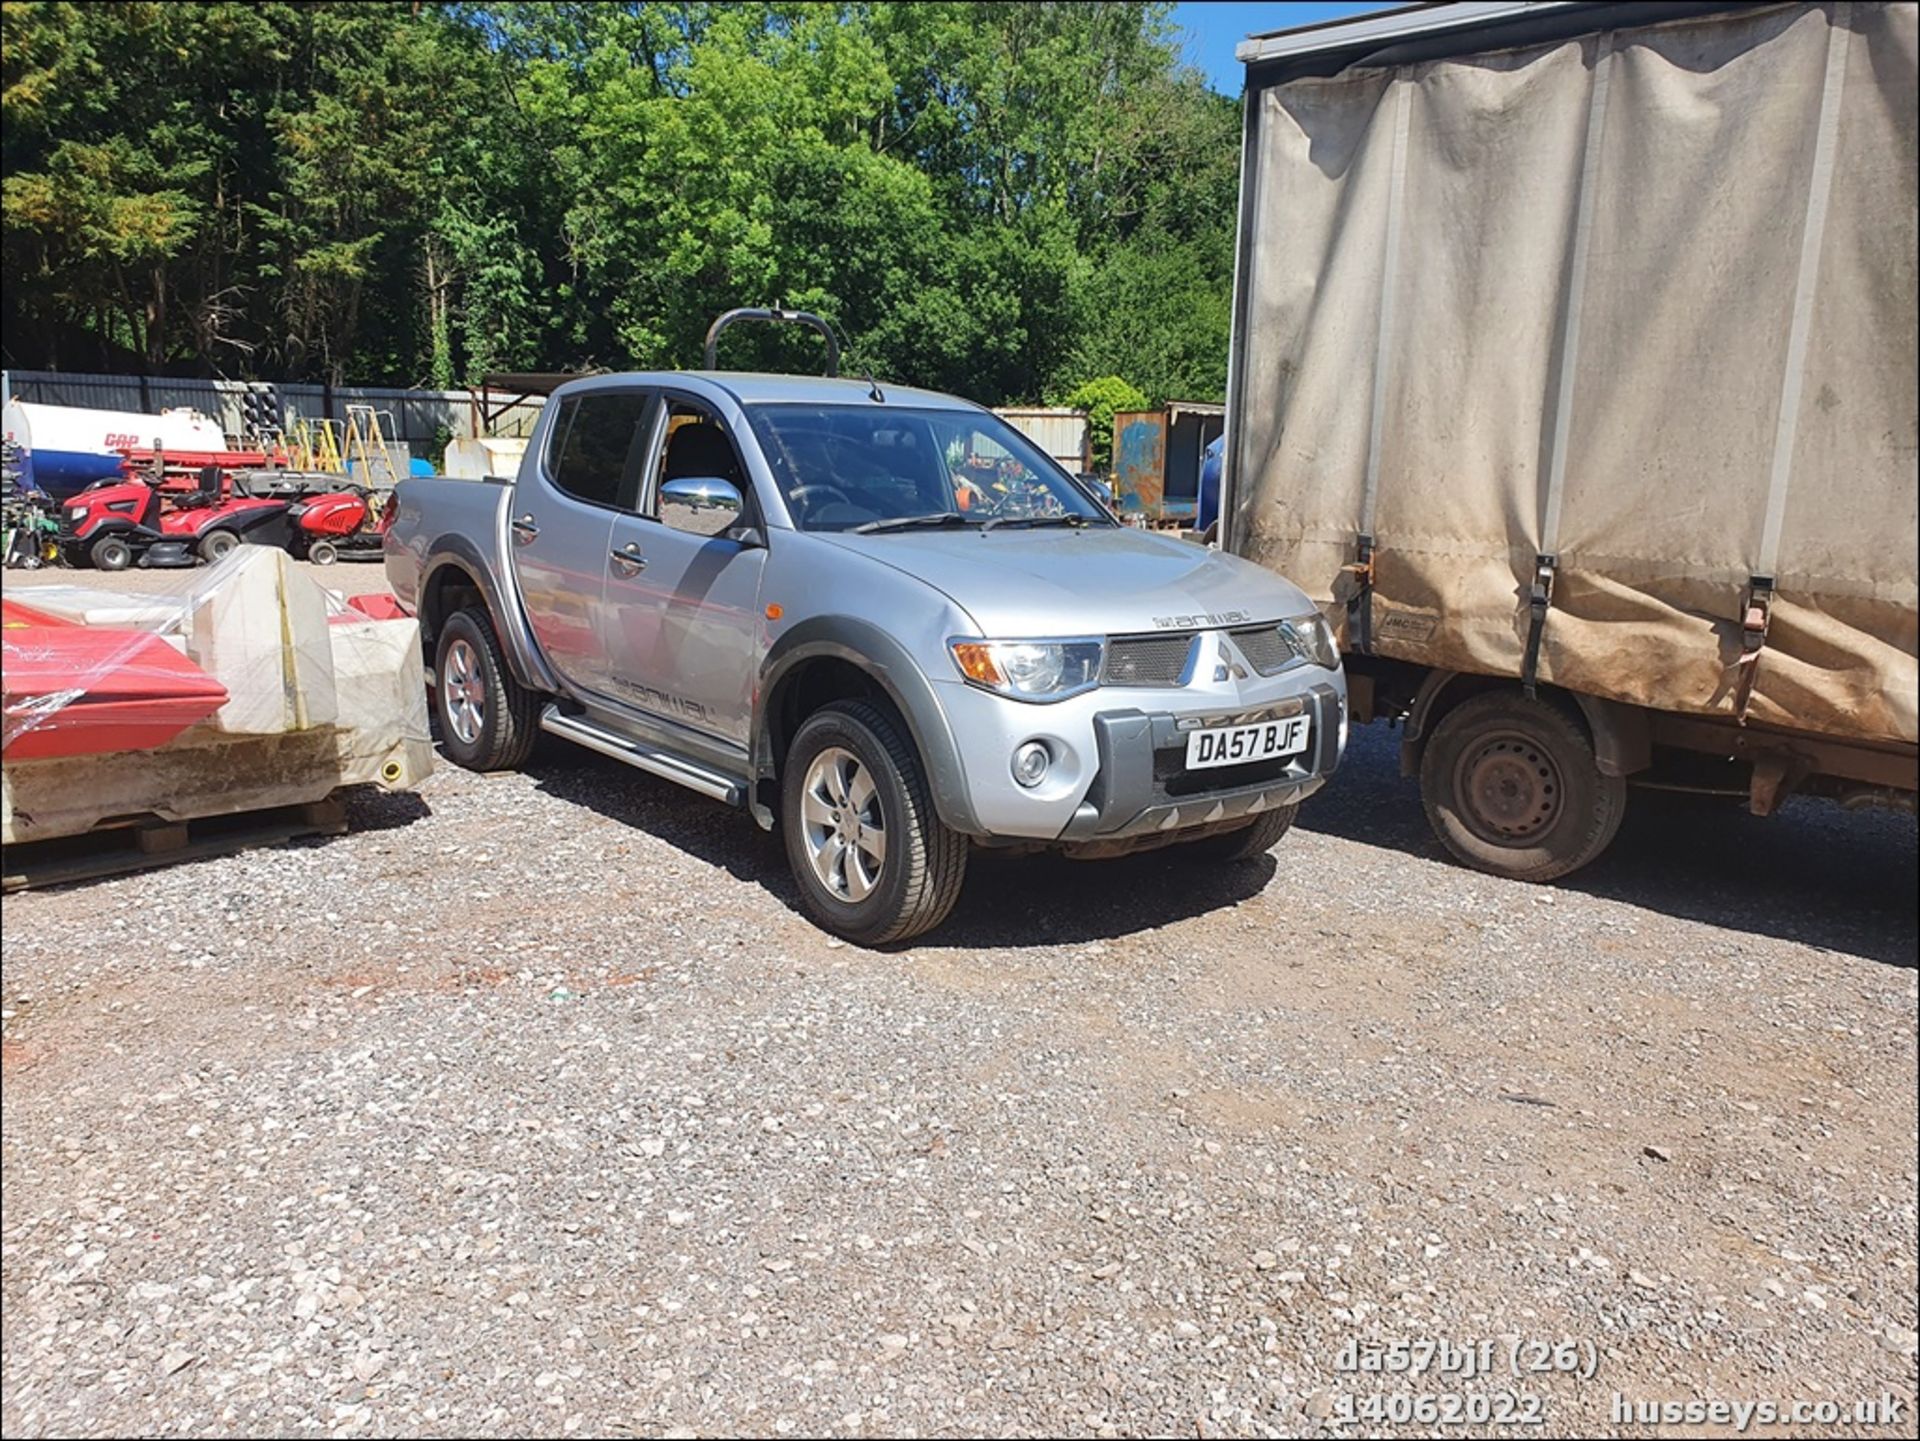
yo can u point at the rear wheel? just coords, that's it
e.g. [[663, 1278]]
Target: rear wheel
[[1245, 843], [1511, 786], [216, 543], [486, 716], [873, 861], [110, 552]]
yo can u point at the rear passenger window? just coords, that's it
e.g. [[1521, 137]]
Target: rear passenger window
[[598, 457]]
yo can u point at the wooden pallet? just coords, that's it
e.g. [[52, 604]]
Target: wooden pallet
[[116, 850]]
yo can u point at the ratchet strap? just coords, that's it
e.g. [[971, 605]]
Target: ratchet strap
[[1757, 613], [1753, 640], [1360, 603], [1539, 599]]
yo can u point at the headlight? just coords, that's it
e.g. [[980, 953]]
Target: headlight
[[1030, 669], [1312, 637]]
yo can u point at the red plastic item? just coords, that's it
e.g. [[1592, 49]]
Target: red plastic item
[[129, 690], [13, 613], [377, 606]]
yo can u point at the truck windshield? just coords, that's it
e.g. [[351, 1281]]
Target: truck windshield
[[882, 469]]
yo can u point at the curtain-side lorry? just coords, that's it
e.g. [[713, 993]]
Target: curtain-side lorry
[[1573, 375]]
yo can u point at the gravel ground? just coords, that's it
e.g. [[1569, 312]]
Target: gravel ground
[[533, 1106]]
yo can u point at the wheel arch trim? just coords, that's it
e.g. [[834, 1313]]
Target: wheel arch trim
[[887, 662], [457, 553]]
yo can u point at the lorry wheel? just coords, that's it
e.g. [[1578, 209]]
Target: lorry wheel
[[873, 860], [216, 543], [110, 552], [323, 552], [1245, 843], [486, 716], [1511, 786]]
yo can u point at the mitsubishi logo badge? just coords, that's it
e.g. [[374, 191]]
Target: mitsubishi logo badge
[[1228, 666]]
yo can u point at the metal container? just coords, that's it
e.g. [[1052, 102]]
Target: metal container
[[64, 449]]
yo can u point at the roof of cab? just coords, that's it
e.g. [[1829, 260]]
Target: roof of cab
[[757, 388]]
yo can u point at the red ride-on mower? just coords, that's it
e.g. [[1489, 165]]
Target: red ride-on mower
[[116, 523], [341, 522]]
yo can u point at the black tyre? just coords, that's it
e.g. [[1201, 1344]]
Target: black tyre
[[323, 552], [1510, 786], [1244, 843], [110, 552], [873, 861], [216, 543], [486, 716]]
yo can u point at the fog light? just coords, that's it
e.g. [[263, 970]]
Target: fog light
[[1030, 763]]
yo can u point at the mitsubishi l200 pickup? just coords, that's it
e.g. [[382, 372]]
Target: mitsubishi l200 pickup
[[879, 619]]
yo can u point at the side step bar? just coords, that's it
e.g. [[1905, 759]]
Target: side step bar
[[693, 776]]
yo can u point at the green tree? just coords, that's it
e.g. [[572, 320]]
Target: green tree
[[1002, 199], [1102, 399]]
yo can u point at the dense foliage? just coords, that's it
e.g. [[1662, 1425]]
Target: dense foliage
[[1004, 200], [1102, 399]]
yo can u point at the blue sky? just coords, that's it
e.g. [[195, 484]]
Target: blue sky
[[1214, 27]]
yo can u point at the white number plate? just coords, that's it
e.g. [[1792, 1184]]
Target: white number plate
[[1238, 745]]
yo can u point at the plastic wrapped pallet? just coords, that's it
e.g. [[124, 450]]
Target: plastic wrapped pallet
[[238, 687]]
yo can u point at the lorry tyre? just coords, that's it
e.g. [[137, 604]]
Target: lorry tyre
[[873, 860], [110, 552], [216, 543], [1511, 787], [1244, 843], [486, 716]]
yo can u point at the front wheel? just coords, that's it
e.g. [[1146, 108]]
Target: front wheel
[[323, 552], [1244, 843], [873, 861], [1511, 786], [110, 552]]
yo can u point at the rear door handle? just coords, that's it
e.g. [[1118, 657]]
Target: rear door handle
[[524, 529], [628, 558]]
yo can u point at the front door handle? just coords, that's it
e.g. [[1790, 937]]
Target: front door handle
[[628, 558], [524, 529]]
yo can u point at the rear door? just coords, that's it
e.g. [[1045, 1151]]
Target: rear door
[[563, 515], [683, 593]]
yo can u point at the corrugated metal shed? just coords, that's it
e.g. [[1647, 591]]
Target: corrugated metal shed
[[1056, 429]]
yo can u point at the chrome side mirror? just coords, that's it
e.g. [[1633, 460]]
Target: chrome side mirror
[[700, 505]]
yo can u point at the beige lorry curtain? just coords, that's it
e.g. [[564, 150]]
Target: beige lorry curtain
[[1644, 301]]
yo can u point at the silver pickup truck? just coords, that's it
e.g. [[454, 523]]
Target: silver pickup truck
[[880, 619]]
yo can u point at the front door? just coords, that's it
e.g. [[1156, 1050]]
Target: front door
[[683, 594], [563, 514]]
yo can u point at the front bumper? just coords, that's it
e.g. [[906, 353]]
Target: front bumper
[[1143, 787], [1119, 756]]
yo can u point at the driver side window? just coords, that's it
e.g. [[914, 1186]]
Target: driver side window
[[701, 487]]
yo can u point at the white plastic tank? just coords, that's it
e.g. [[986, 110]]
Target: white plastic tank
[[65, 448], [471, 458]]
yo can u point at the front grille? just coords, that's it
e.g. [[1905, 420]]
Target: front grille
[[1268, 648], [1149, 660]]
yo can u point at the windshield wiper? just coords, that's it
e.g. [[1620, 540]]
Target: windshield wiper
[[1034, 522], [938, 518]]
